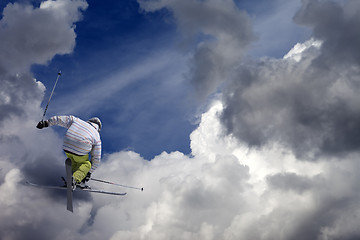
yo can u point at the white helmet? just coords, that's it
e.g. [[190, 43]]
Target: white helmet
[[97, 121]]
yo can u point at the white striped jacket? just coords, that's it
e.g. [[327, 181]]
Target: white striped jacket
[[81, 137]]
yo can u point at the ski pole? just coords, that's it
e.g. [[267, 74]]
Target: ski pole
[[99, 180], [59, 74]]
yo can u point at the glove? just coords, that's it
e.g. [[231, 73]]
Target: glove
[[87, 178], [42, 124]]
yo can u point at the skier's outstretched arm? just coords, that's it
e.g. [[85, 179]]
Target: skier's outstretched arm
[[63, 121]]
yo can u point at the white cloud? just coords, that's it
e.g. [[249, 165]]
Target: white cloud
[[30, 36], [224, 191], [299, 49], [35, 35]]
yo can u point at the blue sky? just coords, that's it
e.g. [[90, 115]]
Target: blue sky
[[150, 114], [157, 111]]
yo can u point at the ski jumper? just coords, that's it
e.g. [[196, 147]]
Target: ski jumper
[[80, 139]]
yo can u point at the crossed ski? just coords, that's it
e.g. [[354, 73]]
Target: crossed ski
[[78, 188], [68, 187]]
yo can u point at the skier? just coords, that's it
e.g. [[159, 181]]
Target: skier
[[80, 139]]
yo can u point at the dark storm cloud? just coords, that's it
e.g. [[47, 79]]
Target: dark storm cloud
[[223, 33], [290, 181], [334, 205], [337, 25], [310, 105]]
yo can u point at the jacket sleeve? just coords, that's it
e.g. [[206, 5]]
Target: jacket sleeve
[[62, 121], [95, 156]]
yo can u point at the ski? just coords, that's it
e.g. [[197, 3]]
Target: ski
[[46, 186], [77, 189], [69, 189], [101, 191], [116, 184]]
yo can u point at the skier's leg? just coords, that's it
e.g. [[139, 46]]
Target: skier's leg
[[71, 156], [74, 165], [81, 166], [82, 171]]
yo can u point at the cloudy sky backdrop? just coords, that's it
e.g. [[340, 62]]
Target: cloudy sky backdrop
[[240, 118]]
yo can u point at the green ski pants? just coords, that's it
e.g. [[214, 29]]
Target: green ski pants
[[80, 166]]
